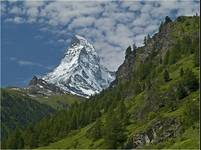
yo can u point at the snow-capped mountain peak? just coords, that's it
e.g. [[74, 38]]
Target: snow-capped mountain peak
[[80, 72]]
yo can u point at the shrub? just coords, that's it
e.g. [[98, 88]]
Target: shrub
[[152, 115]]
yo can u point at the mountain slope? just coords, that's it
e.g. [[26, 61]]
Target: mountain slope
[[80, 71], [59, 101], [19, 110], [140, 128]]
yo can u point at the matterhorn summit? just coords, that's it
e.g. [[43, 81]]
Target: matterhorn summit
[[80, 72]]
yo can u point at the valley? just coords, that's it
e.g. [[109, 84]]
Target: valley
[[153, 102]]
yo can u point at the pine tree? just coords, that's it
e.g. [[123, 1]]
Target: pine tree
[[160, 60], [122, 113], [114, 135], [145, 40], [161, 26], [190, 80], [175, 54], [74, 120], [96, 131], [167, 19], [128, 52], [196, 58], [166, 76], [148, 37], [15, 141], [134, 49], [30, 138], [166, 58], [181, 72], [181, 92]]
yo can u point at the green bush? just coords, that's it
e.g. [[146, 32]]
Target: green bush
[[191, 113], [152, 115]]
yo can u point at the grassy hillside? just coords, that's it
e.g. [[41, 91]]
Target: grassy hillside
[[59, 102], [153, 103], [189, 138]]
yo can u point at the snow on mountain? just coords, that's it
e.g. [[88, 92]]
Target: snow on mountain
[[80, 72]]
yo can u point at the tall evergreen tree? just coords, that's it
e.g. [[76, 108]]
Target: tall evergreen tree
[[181, 72], [30, 138], [161, 26], [181, 92], [128, 52], [15, 141], [166, 75], [134, 49], [190, 80], [96, 131], [196, 58], [167, 19], [145, 40], [122, 113], [114, 132], [166, 58]]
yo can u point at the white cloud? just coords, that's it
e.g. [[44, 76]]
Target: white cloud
[[16, 10], [29, 63], [81, 22], [111, 26], [18, 20]]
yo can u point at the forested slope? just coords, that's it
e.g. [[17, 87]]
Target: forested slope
[[19, 110]]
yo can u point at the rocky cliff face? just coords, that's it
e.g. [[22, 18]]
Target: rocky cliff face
[[159, 131], [40, 86], [157, 45]]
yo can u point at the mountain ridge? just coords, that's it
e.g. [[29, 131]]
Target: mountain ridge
[[79, 72]]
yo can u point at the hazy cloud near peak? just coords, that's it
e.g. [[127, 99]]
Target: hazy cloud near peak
[[111, 25], [29, 63]]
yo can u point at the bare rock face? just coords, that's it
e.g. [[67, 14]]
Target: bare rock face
[[40, 86], [33, 81], [159, 131]]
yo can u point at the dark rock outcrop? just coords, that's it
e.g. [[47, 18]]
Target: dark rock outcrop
[[159, 131], [40, 86]]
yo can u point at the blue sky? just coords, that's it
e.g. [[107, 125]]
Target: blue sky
[[35, 34]]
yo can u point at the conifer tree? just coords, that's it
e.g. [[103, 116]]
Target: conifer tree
[[134, 49], [166, 75], [161, 26], [167, 19], [166, 58], [181, 92], [181, 72], [122, 113], [145, 40], [114, 135], [30, 138], [160, 60], [148, 37], [15, 141], [96, 131], [190, 80], [128, 52], [196, 58]]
